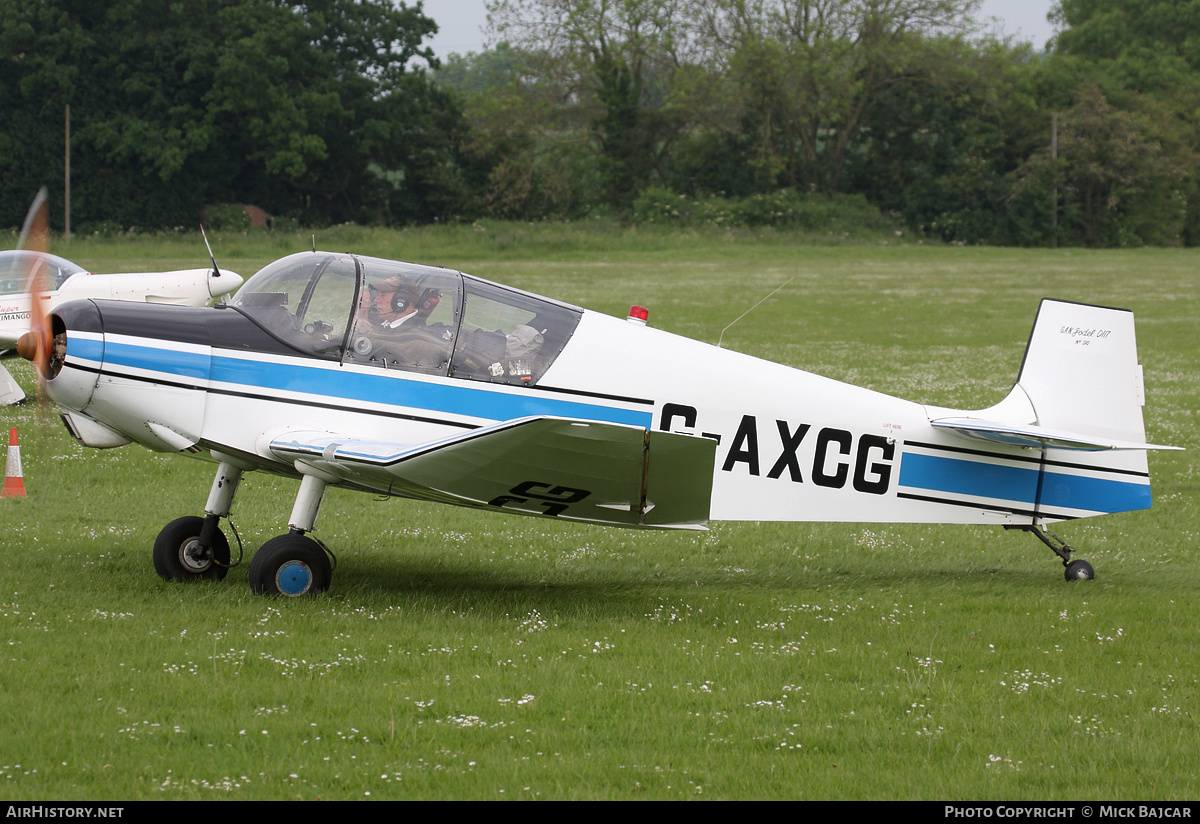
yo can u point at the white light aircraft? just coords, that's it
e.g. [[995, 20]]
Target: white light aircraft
[[28, 277], [406, 380]]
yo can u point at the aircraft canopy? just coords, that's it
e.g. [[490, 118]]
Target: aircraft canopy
[[395, 315]]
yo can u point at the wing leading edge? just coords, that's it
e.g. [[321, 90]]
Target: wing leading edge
[[578, 470]]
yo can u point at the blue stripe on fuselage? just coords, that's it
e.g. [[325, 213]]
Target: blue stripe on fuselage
[[1009, 483], [84, 348], [463, 397], [171, 361]]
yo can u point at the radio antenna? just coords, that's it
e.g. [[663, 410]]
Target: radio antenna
[[752, 308], [213, 260]]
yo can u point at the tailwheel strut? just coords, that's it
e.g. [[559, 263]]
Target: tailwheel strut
[[1074, 570]]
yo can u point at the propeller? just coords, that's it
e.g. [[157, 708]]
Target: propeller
[[37, 345]]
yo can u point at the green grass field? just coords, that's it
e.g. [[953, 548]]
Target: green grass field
[[463, 655]]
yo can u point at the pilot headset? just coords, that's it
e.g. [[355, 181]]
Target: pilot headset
[[400, 301]]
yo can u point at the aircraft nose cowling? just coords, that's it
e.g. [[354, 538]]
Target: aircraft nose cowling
[[223, 282], [79, 349]]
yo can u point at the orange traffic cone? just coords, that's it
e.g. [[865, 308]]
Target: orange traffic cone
[[14, 481]]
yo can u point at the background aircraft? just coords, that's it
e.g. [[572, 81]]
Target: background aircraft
[[61, 281], [412, 381], [30, 276]]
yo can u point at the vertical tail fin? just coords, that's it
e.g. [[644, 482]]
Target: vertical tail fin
[[1079, 400], [1081, 373]]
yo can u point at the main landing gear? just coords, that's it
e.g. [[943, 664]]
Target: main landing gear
[[1073, 570], [294, 564], [193, 548]]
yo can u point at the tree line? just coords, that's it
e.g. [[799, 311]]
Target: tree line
[[758, 111]]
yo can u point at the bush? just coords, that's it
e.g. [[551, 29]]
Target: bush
[[784, 209]]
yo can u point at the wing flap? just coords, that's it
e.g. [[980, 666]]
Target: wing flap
[[578, 470]]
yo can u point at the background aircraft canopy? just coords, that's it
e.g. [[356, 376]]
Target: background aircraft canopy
[[14, 271]]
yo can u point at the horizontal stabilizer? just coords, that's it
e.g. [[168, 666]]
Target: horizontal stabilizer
[[576, 470], [1035, 436]]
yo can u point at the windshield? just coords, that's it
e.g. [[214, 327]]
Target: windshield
[[304, 300], [14, 271]]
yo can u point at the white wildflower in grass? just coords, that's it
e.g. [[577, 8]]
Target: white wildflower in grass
[[464, 721], [1093, 726], [1002, 762], [290, 667], [670, 613], [1019, 681], [533, 622]]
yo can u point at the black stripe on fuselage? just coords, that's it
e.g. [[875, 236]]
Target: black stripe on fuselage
[[986, 507], [1026, 459]]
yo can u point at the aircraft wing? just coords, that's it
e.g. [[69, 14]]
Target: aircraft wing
[[577, 470], [1034, 435]]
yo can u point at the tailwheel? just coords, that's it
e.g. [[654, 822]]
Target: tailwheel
[[1080, 571], [291, 565], [179, 554]]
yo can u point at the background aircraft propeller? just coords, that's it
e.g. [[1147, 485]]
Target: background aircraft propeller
[[37, 344]]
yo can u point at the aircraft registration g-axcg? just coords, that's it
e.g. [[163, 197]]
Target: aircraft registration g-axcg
[[406, 380]]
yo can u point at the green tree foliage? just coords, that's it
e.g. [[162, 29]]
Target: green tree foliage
[[1150, 44], [939, 145], [610, 63], [801, 76], [1115, 184], [530, 156], [1145, 57], [313, 109], [742, 111]]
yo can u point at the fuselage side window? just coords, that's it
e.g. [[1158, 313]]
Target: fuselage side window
[[508, 336]]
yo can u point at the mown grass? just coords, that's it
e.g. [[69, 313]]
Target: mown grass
[[469, 655]]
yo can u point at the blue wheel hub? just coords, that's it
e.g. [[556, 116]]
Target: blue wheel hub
[[294, 578]]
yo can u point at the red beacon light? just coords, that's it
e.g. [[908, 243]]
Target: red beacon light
[[639, 315]]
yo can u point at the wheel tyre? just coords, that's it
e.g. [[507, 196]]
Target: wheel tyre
[[177, 555], [290, 565], [1080, 571]]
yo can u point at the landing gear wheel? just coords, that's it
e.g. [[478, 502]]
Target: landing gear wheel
[[178, 555], [1080, 571], [291, 565]]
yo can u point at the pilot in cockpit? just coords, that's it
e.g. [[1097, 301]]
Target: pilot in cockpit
[[395, 328]]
